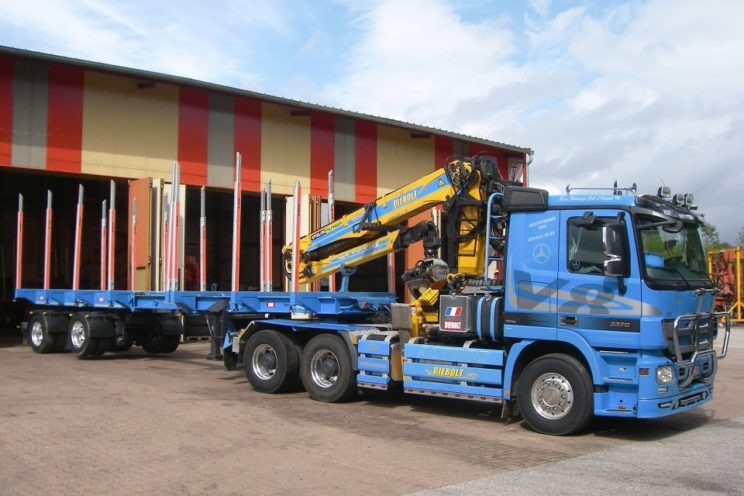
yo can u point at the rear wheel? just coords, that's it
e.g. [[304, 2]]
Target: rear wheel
[[122, 342], [170, 343], [326, 369], [271, 361], [555, 395], [39, 337], [80, 342]]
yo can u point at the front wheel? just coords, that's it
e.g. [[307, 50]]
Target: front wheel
[[326, 369], [555, 395]]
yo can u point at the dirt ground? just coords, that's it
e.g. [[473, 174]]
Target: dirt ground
[[179, 424]]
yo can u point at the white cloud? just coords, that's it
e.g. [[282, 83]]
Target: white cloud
[[639, 92]]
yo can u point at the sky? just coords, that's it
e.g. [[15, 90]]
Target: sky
[[648, 92]]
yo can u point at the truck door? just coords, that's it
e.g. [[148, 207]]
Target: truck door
[[605, 310]]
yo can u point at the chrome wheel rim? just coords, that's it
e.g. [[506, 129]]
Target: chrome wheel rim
[[77, 334], [263, 362], [37, 334], [552, 396], [324, 368]]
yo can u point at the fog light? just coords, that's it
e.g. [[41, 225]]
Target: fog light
[[665, 374], [662, 390]]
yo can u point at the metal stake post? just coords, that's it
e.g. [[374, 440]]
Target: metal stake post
[[48, 241], [19, 244], [203, 242], [331, 218], [104, 243], [236, 225], [78, 240], [112, 237]]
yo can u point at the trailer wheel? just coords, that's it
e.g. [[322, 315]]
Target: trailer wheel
[[80, 341], [170, 343], [271, 361], [555, 395], [39, 337], [326, 369], [121, 342], [153, 343]]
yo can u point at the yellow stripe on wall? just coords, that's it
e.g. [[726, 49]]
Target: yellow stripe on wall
[[400, 158], [129, 131], [285, 149]]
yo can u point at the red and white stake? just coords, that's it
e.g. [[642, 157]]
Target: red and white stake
[[391, 272], [112, 237], [48, 242], [78, 240], [236, 225], [262, 243], [19, 244], [295, 283], [331, 218], [133, 247], [104, 236], [269, 239], [166, 244], [203, 242], [175, 227]]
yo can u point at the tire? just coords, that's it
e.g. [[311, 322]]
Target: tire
[[153, 343], [555, 395], [170, 343], [80, 341], [326, 370], [39, 337], [121, 343], [271, 361], [60, 342]]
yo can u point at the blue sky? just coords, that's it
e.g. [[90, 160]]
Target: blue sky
[[645, 91]]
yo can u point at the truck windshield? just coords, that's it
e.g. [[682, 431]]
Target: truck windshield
[[672, 260]]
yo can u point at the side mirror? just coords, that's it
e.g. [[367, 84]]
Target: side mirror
[[613, 247]]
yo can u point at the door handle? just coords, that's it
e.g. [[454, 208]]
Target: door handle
[[569, 320]]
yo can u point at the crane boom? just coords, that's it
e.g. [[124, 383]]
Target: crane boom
[[461, 187]]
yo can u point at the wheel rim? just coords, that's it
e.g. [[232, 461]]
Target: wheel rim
[[264, 362], [77, 334], [552, 396], [37, 333], [324, 368]]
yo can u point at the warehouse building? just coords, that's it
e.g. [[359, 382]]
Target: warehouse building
[[66, 122]]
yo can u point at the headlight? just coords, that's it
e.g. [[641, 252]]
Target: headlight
[[664, 374]]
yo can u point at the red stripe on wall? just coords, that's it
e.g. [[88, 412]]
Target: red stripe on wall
[[443, 149], [365, 155], [193, 121], [500, 155], [6, 108], [65, 118], [322, 133], [248, 141]]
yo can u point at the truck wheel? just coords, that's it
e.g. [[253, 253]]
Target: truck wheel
[[326, 369], [555, 395], [39, 337], [121, 343], [271, 361], [80, 341], [170, 343], [153, 343]]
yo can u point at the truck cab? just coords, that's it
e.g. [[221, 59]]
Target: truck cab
[[618, 283]]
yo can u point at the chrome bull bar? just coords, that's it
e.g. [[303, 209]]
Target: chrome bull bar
[[697, 326]]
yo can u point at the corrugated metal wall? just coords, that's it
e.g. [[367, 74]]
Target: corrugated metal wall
[[66, 118]]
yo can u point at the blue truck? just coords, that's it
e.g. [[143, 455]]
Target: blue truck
[[557, 307]]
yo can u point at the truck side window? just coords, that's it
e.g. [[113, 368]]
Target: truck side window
[[585, 251]]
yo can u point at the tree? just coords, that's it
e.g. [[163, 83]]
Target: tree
[[711, 238], [740, 239]]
